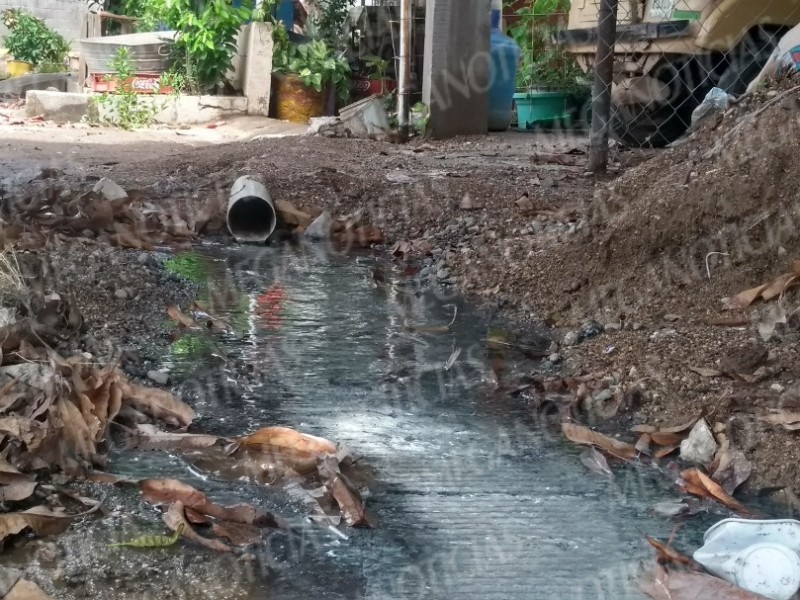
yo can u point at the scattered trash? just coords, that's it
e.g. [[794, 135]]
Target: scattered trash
[[715, 102], [758, 556], [452, 360], [366, 118], [399, 177], [700, 446]]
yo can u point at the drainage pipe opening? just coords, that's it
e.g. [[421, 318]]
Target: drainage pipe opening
[[251, 213]]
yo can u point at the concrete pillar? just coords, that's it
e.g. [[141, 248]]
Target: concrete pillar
[[256, 68], [457, 66]]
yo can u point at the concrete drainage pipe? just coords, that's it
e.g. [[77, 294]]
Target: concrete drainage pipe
[[251, 213]]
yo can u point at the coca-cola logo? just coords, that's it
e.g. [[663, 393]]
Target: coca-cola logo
[[361, 85]]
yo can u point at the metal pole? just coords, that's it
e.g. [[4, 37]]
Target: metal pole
[[603, 80], [404, 78]]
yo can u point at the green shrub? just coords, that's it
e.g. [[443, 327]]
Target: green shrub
[[31, 40]]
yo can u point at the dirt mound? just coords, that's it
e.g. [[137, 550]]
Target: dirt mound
[[698, 222]]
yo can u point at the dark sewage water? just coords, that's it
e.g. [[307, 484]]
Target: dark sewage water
[[473, 495]]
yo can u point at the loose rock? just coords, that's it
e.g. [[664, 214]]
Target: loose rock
[[700, 446], [110, 190], [159, 377], [320, 229]]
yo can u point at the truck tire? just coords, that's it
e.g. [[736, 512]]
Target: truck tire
[[652, 126]]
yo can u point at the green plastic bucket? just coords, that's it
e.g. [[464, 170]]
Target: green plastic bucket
[[542, 108]]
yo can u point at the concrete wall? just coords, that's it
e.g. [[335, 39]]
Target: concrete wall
[[457, 66], [65, 16]]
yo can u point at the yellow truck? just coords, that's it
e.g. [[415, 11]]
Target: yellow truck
[[670, 53]]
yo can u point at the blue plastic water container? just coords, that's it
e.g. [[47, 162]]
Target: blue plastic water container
[[505, 55]]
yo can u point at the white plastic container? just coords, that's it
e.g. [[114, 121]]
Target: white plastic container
[[762, 557]]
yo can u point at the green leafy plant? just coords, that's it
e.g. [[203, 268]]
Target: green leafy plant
[[124, 108], [317, 67], [420, 118], [207, 42], [330, 26], [31, 40], [544, 64]]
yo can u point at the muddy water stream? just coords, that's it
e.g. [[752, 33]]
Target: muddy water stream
[[473, 497]]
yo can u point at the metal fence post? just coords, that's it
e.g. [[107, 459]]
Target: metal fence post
[[603, 79]]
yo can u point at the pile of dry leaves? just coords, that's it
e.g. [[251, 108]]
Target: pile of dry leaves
[[716, 481], [59, 418]]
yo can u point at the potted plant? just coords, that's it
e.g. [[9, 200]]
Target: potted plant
[[550, 84], [31, 43], [304, 76], [374, 80]]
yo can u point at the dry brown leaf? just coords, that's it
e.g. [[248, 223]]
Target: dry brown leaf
[[704, 372], [16, 492], [284, 439], [667, 439], [349, 502], [731, 469], [584, 435], [175, 518], [41, 520], [10, 475], [682, 585], [149, 437], [181, 318], [166, 491], [72, 430], [684, 428], [159, 404], [128, 240], [593, 460], [237, 534], [291, 215], [666, 554], [767, 291], [643, 429], [643, 444], [699, 484], [664, 452], [26, 590], [789, 420]]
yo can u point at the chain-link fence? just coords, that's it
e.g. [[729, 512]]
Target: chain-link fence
[[655, 61]]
